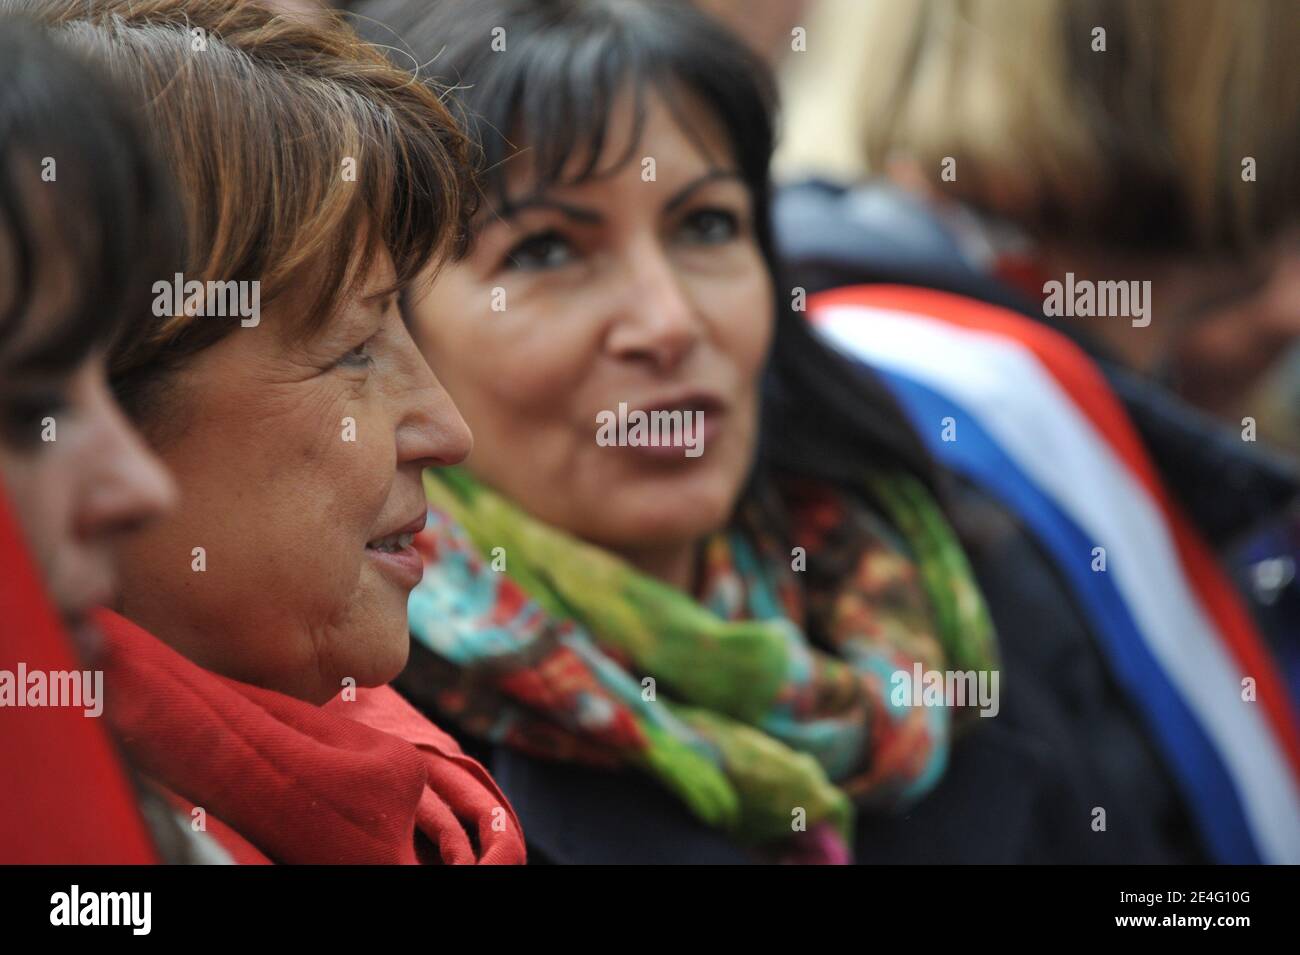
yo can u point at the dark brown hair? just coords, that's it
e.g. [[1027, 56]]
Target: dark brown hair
[[85, 212], [548, 101]]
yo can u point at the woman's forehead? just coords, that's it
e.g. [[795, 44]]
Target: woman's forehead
[[677, 134]]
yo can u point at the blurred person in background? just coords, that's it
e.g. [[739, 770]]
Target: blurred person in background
[[77, 474], [1120, 139], [1233, 352], [1019, 143], [85, 226], [1169, 154]]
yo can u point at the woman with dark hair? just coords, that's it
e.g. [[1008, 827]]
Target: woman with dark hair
[[758, 616], [84, 224], [738, 612]]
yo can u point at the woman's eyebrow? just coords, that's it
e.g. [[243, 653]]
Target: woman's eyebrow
[[380, 298], [512, 207], [684, 193]]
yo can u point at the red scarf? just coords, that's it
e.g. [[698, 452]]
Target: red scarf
[[283, 780]]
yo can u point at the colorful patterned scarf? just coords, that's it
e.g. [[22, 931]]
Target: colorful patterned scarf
[[763, 702]]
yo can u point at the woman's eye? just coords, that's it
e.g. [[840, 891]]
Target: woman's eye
[[546, 250], [711, 226], [22, 415], [358, 357]]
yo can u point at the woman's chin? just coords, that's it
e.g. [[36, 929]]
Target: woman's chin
[[661, 523], [372, 655], [389, 657]]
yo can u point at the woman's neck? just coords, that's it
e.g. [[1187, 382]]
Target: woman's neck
[[675, 564]]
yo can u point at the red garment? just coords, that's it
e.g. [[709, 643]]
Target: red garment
[[284, 780], [65, 798]]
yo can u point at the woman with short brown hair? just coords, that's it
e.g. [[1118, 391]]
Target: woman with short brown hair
[[277, 381]]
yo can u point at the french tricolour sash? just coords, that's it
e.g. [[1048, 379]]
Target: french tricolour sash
[[1034, 423]]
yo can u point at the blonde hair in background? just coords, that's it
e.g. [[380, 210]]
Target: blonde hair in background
[[821, 124], [1140, 145]]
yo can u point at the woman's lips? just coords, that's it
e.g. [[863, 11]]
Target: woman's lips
[[395, 555], [697, 422], [709, 430], [403, 567]]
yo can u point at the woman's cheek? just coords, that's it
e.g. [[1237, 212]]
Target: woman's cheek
[[737, 295], [357, 467], [746, 334], [538, 371], [40, 500]]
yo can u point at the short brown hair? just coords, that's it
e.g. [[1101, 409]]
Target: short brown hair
[[256, 114], [1138, 147]]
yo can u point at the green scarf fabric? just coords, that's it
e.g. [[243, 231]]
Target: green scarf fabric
[[763, 701]]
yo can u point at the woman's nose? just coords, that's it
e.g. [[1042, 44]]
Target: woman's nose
[[435, 434], [658, 322], [431, 431], [127, 485]]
